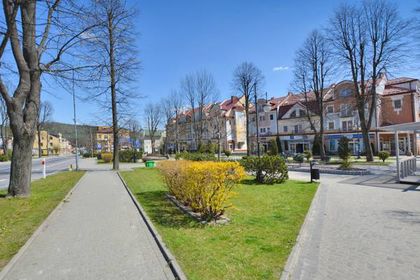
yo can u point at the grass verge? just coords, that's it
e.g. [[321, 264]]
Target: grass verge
[[254, 245], [20, 217]]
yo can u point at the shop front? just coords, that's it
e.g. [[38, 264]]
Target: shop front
[[296, 144], [355, 142]]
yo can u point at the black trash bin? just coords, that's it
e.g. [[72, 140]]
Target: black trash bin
[[314, 174]]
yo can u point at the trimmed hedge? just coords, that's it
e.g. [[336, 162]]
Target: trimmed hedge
[[130, 155], [195, 156], [267, 169]]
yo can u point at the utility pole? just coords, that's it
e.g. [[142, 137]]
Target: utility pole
[[256, 120], [75, 124]]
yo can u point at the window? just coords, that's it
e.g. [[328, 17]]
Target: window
[[347, 125], [271, 117], [397, 104], [345, 110], [293, 114], [262, 130], [345, 92], [330, 109], [344, 126], [285, 128], [302, 113], [331, 125], [298, 128]]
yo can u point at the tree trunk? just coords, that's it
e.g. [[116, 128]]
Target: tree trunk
[[21, 166], [321, 137], [39, 142], [366, 142], [116, 158]]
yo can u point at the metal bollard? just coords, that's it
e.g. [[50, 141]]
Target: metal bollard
[[44, 168]]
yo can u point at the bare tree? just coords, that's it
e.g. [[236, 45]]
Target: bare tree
[[153, 115], [188, 88], [42, 36], [245, 77], [206, 93], [369, 39], [112, 50], [312, 70], [45, 113], [4, 120]]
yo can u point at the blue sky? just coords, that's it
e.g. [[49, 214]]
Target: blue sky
[[182, 36]]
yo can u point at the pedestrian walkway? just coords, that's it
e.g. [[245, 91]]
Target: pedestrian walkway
[[96, 234], [355, 231]]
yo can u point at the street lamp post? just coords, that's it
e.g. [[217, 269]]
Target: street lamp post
[[75, 125]]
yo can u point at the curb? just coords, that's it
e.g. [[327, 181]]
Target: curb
[[37, 232], [170, 259], [293, 258], [335, 172]]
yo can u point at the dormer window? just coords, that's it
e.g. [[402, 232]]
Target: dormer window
[[345, 92]]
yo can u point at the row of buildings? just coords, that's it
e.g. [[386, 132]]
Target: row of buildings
[[104, 139], [285, 120], [51, 144]]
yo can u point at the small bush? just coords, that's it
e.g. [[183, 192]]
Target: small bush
[[130, 155], [267, 169], [106, 157], [195, 156], [307, 154], [384, 155], [99, 156], [204, 186], [299, 158], [227, 153], [3, 158], [344, 152], [9, 154], [87, 155]]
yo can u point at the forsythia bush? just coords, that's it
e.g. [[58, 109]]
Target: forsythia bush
[[106, 157], [204, 186]]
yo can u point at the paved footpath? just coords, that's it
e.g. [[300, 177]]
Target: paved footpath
[[358, 232], [97, 234]]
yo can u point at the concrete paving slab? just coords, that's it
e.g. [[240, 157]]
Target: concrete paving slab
[[358, 232], [96, 234]]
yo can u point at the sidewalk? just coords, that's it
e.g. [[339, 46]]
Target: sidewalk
[[96, 234], [355, 231]]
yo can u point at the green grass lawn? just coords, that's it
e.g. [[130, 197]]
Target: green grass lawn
[[20, 217], [254, 245]]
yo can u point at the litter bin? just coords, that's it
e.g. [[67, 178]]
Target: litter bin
[[150, 163], [314, 171], [314, 174]]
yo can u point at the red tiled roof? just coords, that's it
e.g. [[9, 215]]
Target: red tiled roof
[[400, 80]]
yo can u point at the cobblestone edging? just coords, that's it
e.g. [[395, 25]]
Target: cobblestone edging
[[196, 216], [332, 171]]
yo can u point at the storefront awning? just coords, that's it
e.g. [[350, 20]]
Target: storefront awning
[[402, 127]]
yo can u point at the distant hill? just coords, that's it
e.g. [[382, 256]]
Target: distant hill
[[67, 131]]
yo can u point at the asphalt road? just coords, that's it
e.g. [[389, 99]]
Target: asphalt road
[[54, 164]]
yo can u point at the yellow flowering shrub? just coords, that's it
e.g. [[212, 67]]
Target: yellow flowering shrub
[[204, 186]]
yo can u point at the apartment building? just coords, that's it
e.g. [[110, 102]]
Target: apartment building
[[105, 139], [51, 144], [223, 122]]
